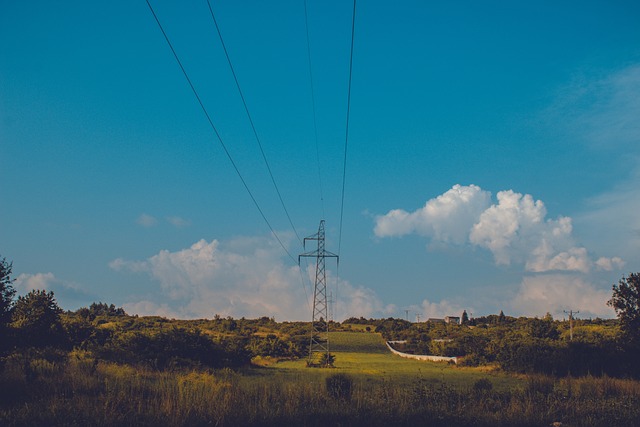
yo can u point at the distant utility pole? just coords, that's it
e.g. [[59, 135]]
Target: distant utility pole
[[406, 312], [418, 317], [571, 313], [319, 342]]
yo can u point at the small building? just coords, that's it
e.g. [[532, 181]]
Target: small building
[[435, 320], [452, 319]]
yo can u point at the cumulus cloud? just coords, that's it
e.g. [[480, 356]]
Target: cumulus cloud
[[69, 295], [554, 293], [439, 310], [359, 301], [514, 230], [26, 283], [447, 218], [242, 277], [608, 264]]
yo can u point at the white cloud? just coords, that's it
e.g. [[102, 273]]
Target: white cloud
[[146, 220], [502, 227], [178, 222], [68, 295], [575, 259], [242, 277], [555, 292], [357, 301], [149, 308], [120, 264], [515, 229], [26, 283], [603, 113], [439, 310], [447, 218], [608, 264]]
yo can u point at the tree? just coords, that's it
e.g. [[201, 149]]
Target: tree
[[542, 328], [6, 302], [501, 317], [465, 318], [36, 316], [102, 309], [6, 292], [626, 303]]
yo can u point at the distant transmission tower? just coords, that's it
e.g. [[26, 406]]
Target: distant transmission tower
[[319, 342]]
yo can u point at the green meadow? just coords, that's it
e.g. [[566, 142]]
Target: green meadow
[[365, 357]]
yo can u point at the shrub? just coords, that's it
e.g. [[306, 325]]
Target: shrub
[[173, 348], [36, 319], [339, 386], [539, 384], [482, 385]]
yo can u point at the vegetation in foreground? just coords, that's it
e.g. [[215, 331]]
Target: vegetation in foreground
[[99, 366], [83, 391]]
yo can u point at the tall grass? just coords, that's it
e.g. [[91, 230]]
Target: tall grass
[[81, 392]]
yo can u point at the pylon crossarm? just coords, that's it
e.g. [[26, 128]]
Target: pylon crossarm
[[312, 254]]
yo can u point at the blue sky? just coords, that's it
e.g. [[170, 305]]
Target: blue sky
[[492, 160]]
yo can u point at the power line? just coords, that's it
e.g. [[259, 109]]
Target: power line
[[346, 142], [246, 109], [215, 130], [313, 106], [346, 139]]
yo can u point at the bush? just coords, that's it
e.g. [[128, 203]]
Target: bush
[[173, 348], [539, 384], [339, 386], [36, 319], [482, 385]]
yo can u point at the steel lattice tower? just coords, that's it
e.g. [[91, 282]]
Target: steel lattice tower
[[319, 342]]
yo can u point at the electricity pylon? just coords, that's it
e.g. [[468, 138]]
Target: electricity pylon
[[319, 342]]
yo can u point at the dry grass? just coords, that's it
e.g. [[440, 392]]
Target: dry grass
[[383, 390]]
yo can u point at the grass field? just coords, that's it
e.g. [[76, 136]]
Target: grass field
[[366, 358], [379, 389]]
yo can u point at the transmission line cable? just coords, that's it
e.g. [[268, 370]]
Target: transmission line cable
[[346, 143], [246, 109], [346, 139], [215, 130], [313, 106]]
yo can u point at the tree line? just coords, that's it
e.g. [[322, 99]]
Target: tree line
[[35, 323], [533, 345], [35, 326]]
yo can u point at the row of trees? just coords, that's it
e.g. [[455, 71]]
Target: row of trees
[[517, 344], [35, 324], [531, 345]]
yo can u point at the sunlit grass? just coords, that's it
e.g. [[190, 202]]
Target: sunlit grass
[[366, 357]]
